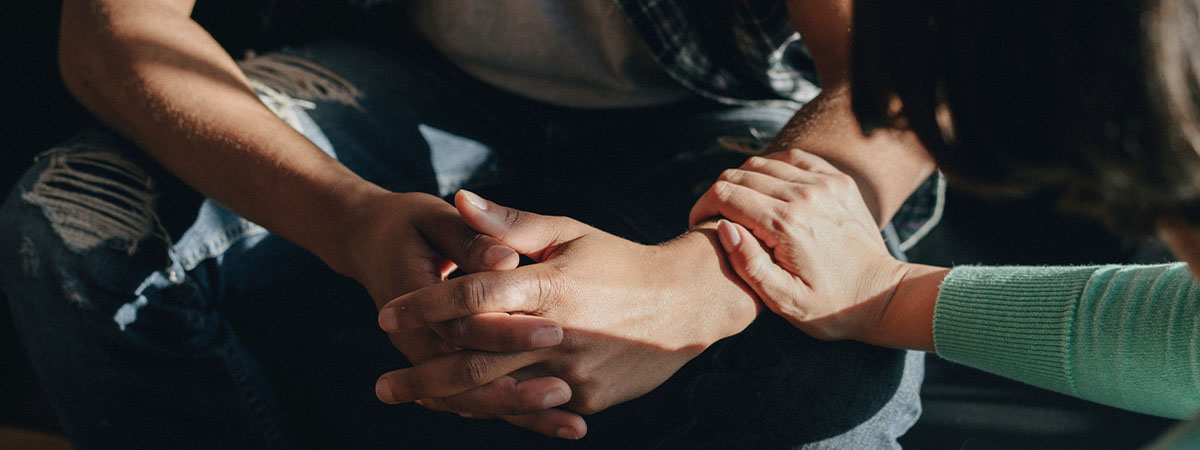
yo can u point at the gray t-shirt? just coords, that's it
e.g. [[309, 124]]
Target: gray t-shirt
[[579, 53]]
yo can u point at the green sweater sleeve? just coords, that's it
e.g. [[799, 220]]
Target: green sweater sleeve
[[1126, 336]]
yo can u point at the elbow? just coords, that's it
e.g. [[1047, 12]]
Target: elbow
[[78, 67], [75, 75], [85, 48]]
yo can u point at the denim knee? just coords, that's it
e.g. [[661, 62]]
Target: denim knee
[[125, 342], [83, 229]]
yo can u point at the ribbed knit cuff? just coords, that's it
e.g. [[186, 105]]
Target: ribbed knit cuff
[[1011, 321]]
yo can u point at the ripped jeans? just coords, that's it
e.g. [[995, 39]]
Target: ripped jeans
[[158, 319]]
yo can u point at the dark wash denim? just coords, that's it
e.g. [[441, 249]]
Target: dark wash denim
[[157, 319]]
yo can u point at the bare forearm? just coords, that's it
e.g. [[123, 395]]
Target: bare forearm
[[699, 270], [907, 321], [154, 75], [888, 165]]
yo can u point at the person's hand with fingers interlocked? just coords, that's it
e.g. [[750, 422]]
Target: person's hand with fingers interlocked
[[405, 242], [631, 316]]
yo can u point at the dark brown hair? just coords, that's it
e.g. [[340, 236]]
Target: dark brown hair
[[1099, 97]]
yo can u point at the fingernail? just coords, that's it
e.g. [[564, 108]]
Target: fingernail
[[728, 235], [546, 337], [566, 433], [388, 320], [383, 390], [496, 254], [554, 398], [475, 200]]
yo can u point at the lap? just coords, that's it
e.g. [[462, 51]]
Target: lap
[[410, 123]]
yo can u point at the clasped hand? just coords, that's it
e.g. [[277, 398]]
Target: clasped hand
[[630, 316]]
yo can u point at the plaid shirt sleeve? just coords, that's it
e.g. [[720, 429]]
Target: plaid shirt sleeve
[[736, 52], [748, 53]]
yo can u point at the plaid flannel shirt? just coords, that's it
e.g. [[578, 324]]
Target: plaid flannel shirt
[[737, 52], [749, 53]]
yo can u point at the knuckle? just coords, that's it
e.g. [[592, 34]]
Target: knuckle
[[546, 285], [458, 331], [722, 190], [474, 295], [845, 182], [755, 273], [801, 193], [782, 216], [474, 242], [475, 369], [825, 184], [729, 175], [755, 161], [793, 312], [512, 216], [800, 313], [792, 217]]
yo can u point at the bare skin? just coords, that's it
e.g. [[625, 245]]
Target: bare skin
[[154, 75], [888, 167], [804, 241], [150, 72], [800, 236]]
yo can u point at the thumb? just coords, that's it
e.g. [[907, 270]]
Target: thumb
[[530, 234], [754, 265]]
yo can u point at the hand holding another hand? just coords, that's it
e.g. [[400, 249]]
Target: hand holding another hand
[[821, 263], [403, 242], [631, 316]]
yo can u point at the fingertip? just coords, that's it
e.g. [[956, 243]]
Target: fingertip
[[546, 337], [567, 433], [500, 257], [465, 197], [573, 428], [552, 422], [578, 429], [383, 391], [555, 398], [729, 236], [479, 214], [743, 232], [389, 320]]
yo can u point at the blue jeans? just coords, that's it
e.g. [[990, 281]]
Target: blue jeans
[[158, 319]]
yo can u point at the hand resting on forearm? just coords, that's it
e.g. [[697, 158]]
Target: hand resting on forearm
[[805, 242]]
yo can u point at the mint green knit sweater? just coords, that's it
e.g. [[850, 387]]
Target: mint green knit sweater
[[1126, 336]]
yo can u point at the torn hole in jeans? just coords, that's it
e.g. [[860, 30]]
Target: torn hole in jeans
[[93, 198], [299, 78]]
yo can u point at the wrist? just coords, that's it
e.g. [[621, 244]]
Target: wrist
[[702, 280], [344, 225], [906, 321]]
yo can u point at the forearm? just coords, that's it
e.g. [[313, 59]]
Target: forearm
[[907, 318], [888, 165], [154, 75], [698, 269]]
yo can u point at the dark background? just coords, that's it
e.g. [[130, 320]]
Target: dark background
[[964, 408]]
